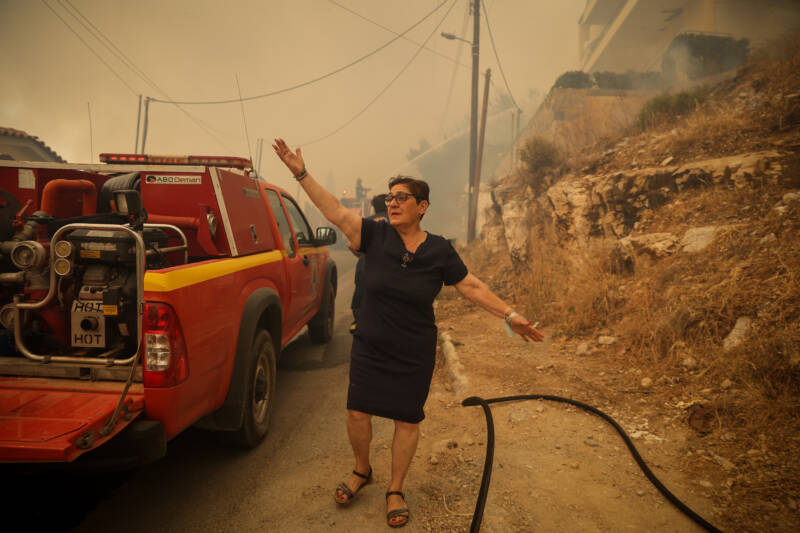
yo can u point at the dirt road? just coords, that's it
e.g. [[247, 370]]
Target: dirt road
[[556, 469], [283, 485]]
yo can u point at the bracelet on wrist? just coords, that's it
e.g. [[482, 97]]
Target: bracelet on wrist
[[510, 316], [303, 174]]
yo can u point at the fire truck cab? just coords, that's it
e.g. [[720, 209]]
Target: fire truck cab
[[144, 295]]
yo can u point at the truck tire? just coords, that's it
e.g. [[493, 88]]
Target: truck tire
[[320, 328], [259, 390]]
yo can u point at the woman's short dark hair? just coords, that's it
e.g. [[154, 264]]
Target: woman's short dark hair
[[418, 188]]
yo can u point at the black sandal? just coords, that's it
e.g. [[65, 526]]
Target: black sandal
[[397, 512], [347, 491]]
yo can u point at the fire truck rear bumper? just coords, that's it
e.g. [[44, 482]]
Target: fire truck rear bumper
[[142, 442]]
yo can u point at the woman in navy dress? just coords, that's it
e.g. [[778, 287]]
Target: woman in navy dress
[[394, 346]]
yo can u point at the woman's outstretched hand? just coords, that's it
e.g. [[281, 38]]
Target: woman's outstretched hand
[[293, 160], [524, 329]]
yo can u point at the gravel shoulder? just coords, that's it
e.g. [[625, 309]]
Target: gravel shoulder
[[556, 468]]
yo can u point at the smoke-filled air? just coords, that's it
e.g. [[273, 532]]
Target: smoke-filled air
[[69, 60]]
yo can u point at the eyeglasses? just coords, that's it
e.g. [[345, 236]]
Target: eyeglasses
[[401, 197]]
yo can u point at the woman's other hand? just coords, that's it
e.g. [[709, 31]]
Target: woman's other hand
[[524, 329], [293, 160], [476, 291]]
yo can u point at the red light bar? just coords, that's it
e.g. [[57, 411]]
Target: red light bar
[[206, 160], [123, 158]]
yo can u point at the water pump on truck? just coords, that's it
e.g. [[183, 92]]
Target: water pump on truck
[[71, 281]]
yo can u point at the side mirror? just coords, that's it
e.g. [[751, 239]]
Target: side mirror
[[127, 202], [325, 236]]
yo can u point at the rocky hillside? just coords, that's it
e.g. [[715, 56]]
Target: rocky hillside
[[673, 252]]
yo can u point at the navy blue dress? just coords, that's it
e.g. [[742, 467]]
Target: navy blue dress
[[394, 345]]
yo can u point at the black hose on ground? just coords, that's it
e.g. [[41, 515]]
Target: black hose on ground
[[487, 467]]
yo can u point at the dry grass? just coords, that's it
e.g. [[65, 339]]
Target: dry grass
[[686, 304], [671, 316], [680, 309]]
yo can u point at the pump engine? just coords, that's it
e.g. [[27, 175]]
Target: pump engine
[[70, 286]]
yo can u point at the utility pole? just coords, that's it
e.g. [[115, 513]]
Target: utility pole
[[138, 123], [513, 150], [473, 127], [476, 182], [259, 152], [518, 133], [146, 120], [91, 138]]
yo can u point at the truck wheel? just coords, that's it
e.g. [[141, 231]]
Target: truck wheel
[[259, 390], [320, 328]]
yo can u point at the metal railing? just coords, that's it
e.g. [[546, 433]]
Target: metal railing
[[167, 249]]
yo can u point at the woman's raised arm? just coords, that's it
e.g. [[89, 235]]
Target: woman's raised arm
[[330, 206]]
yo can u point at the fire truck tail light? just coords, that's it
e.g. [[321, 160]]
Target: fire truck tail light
[[158, 352], [165, 362]]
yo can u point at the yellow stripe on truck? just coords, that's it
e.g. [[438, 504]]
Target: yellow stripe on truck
[[309, 251], [183, 277]]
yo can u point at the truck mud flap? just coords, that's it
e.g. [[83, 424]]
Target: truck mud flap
[[52, 420]]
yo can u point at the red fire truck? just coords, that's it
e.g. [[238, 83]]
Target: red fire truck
[[144, 295]]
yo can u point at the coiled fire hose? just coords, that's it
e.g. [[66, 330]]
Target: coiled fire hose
[[483, 492]]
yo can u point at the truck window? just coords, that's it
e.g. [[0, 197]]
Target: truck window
[[301, 228], [283, 222]]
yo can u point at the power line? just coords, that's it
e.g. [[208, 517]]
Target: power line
[[499, 64], [92, 50], [95, 32], [381, 93], [309, 82], [455, 72], [378, 24]]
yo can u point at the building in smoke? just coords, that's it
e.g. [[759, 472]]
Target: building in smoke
[[623, 35]]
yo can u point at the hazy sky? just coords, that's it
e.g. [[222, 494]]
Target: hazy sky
[[194, 50]]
